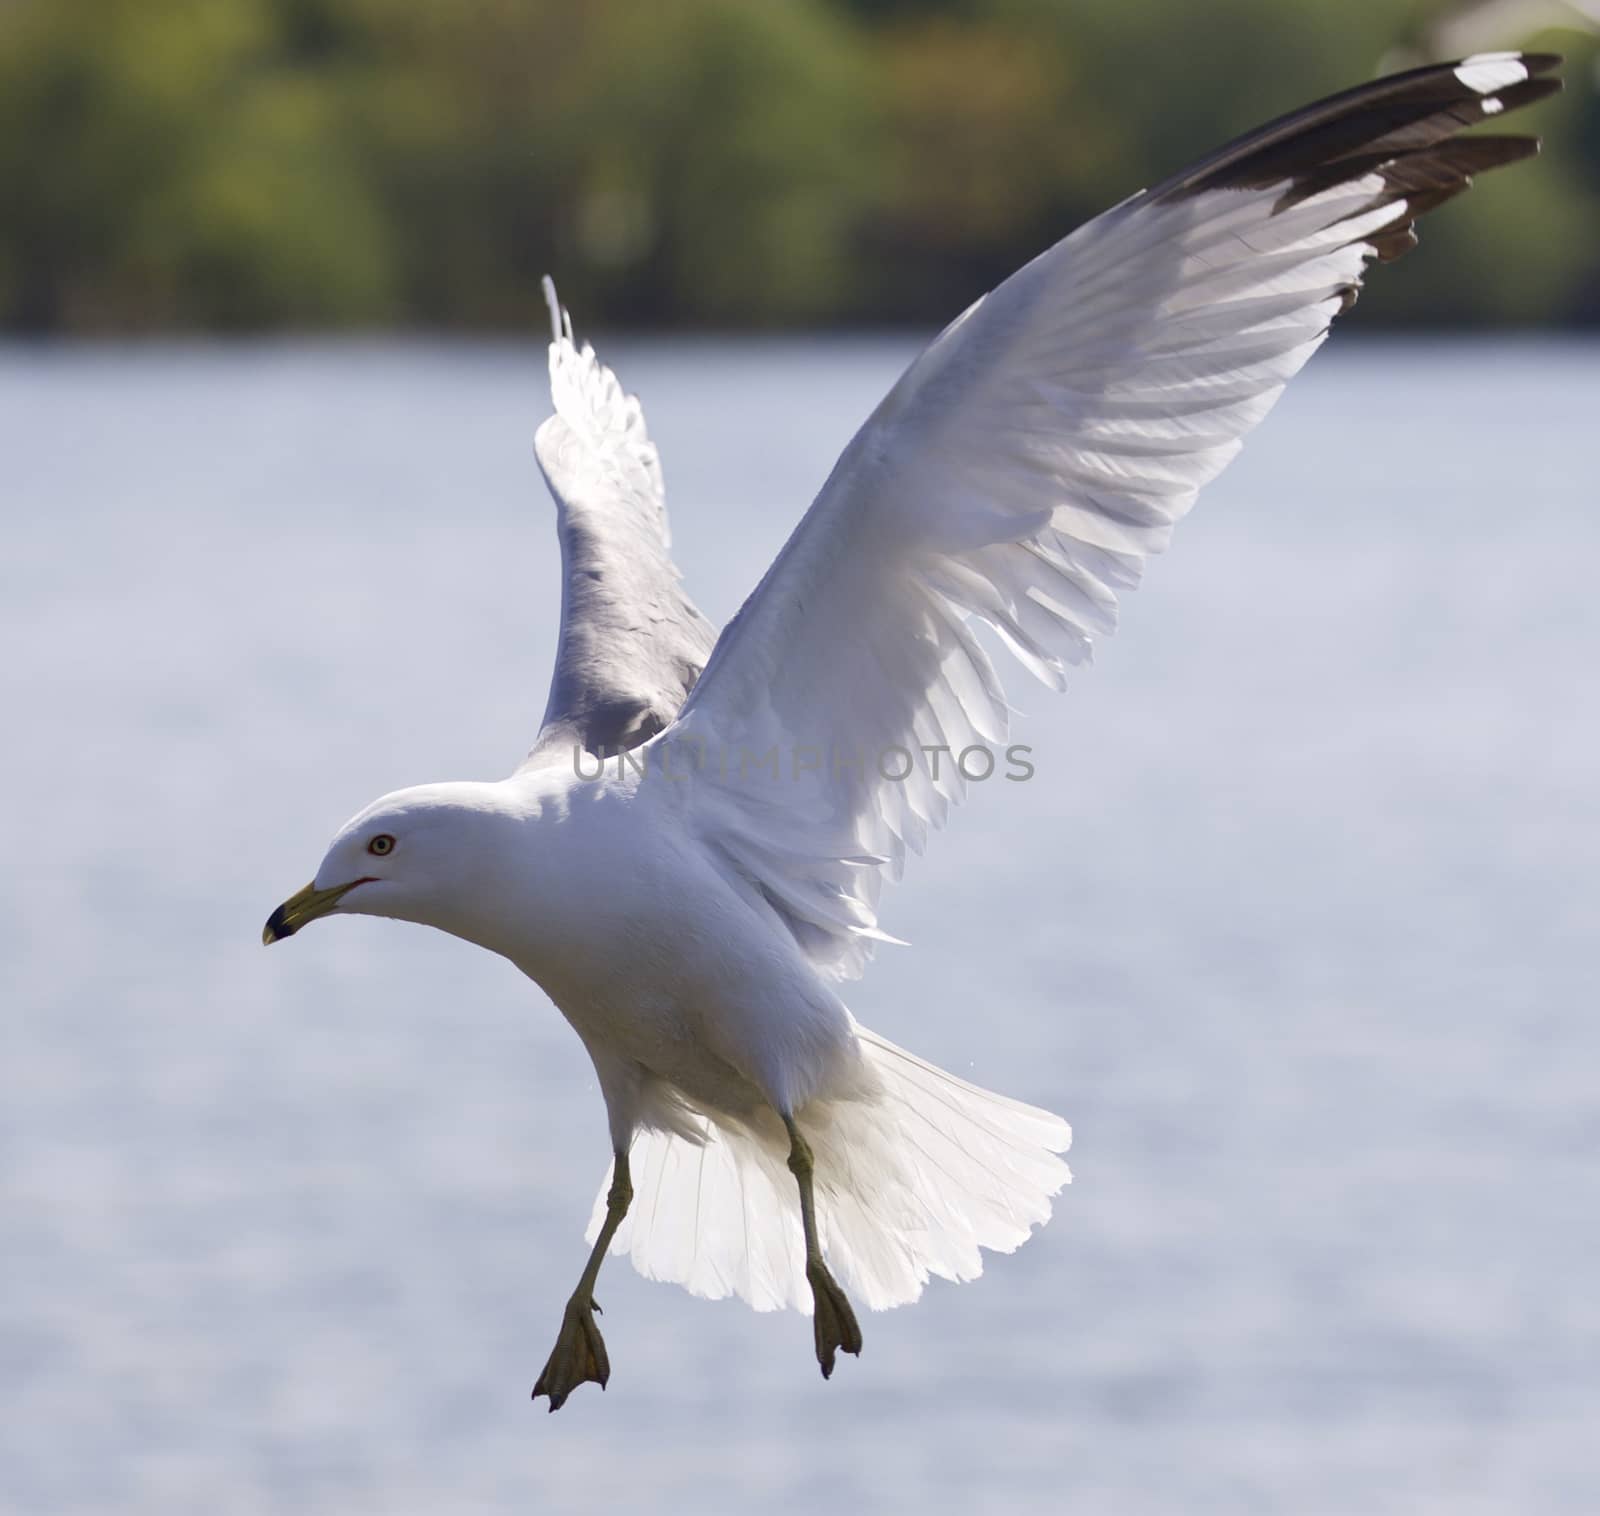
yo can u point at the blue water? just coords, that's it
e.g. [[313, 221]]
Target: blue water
[[1296, 922]]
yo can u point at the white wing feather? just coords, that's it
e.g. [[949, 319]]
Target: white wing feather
[[632, 642], [1024, 469]]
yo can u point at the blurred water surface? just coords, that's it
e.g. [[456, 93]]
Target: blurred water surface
[[1296, 923]]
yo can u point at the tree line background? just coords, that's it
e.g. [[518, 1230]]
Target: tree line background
[[307, 164]]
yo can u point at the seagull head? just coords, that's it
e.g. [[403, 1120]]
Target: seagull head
[[412, 855]]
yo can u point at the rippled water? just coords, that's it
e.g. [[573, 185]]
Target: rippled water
[[1296, 923]]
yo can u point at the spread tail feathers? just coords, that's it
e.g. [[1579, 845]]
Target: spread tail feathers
[[913, 1177]]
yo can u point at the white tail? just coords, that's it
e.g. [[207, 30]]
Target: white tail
[[913, 1179]]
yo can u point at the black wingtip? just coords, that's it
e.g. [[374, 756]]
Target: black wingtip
[[1399, 116], [1542, 63], [1531, 89]]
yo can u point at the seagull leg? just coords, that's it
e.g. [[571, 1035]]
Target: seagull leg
[[833, 1323], [579, 1355]]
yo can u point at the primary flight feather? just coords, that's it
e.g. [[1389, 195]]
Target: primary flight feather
[[689, 860]]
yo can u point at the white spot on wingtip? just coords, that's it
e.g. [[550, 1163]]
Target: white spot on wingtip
[[1488, 72], [1492, 105]]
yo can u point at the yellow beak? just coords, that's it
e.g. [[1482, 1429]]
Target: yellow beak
[[301, 907]]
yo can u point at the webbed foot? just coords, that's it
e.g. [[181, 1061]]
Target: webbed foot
[[833, 1322], [579, 1356]]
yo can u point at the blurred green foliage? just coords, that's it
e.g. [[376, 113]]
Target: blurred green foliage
[[248, 164]]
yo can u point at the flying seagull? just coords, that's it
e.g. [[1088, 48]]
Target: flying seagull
[[689, 860]]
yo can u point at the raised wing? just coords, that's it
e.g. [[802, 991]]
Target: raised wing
[[1026, 466], [632, 643]]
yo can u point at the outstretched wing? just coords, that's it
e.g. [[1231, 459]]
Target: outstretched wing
[[632, 643], [1025, 467]]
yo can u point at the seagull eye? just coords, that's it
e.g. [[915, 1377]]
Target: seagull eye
[[381, 844]]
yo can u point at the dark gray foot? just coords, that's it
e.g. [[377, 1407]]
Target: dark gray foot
[[833, 1323], [579, 1356]]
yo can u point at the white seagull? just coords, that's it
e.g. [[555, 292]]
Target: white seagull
[[692, 905]]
